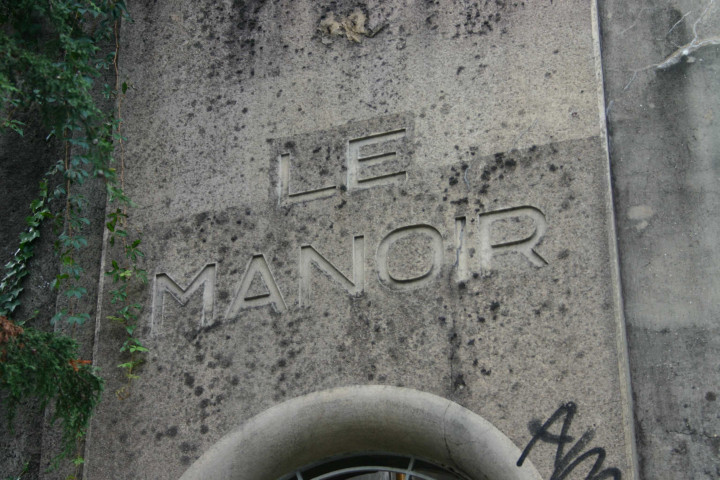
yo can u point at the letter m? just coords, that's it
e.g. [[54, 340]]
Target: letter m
[[163, 284]]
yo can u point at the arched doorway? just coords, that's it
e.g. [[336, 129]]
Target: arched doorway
[[362, 422]]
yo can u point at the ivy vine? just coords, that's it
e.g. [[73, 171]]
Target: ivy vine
[[52, 54]]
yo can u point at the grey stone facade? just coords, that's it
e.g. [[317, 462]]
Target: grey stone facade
[[418, 228]]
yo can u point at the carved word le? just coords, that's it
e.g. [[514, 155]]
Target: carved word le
[[357, 162], [257, 270], [564, 464]]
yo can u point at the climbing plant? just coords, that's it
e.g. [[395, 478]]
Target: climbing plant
[[52, 55]]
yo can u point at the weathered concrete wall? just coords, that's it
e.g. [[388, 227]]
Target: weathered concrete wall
[[23, 162], [665, 149], [421, 201], [240, 107]]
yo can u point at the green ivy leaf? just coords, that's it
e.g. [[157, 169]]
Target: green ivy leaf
[[75, 291]]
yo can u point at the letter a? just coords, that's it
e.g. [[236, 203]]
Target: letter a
[[272, 296]]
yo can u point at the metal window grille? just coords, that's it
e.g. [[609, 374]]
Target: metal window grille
[[374, 467]]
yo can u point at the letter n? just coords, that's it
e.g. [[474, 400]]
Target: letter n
[[308, 256], [163, 284]]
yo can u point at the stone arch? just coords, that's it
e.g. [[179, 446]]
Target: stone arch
[[356, 419]]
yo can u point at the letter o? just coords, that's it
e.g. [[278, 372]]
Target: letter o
[[398, 234]]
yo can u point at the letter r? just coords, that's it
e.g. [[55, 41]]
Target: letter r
[[525, 246]]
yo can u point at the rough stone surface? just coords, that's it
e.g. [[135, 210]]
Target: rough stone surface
[[419, 200], [663, 126], [23, 162]]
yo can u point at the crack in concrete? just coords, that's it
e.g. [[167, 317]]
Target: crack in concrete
[[678, 23], [689, 48], [632, 25], [684, 51], [444, 430], [517, 140]]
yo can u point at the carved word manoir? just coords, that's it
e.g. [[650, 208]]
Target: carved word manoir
[[271, 296], [381, 154]]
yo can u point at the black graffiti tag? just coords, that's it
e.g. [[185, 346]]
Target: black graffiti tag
[[566, 463]]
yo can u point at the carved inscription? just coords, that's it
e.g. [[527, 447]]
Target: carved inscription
[[163, 284], [316, 166], [358, 161], [487, 249], [396, 283], [258, 287], [525, 246], [257, 271], [285, 195], [310, 256], [461, 250]]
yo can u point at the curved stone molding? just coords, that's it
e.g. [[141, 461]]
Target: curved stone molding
[[362, 419]]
